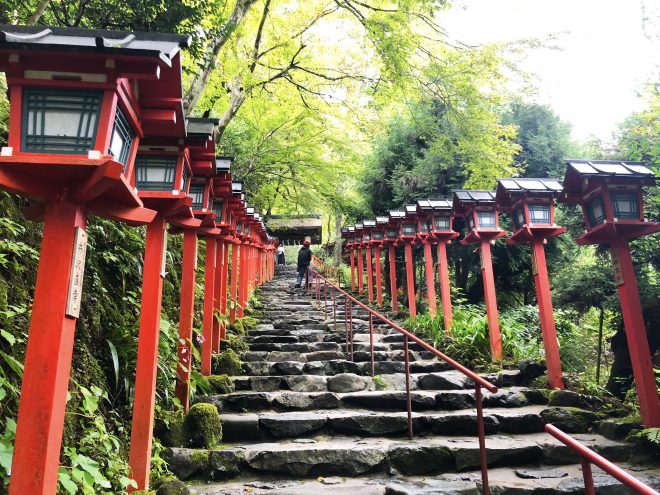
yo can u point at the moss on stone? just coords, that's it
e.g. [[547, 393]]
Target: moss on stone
[[175, 487], [145, 492], [379, 383], [201, 456], [236, 343], [221, 384], [168, 428], [237, 327], [202, 427], [227, 363], [249, 323]]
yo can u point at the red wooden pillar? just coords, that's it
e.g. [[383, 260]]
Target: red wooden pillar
[[217, 289], [410, 279], [207, 321], [186, 311], [393, 288], [548, 330], [359, 271], [223, 286], [48, 357], [233, 291], [491, 301], [638, 346], [430, 278], [147, 353], [379, 278], [243, 278], [370, 275], [352, 256], [445, 290]]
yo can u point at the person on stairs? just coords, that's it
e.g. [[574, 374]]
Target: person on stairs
[[304, 259], [280, 255]]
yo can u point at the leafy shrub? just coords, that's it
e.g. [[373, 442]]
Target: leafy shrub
[[227, 363]]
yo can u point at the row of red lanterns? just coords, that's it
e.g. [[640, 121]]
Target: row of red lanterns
[[97, 127], [610, 193]]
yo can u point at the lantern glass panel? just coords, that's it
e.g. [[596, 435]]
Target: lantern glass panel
[[217, 209], [596, 211], [239, 228], [378, 235], [539, 213], [392, 234], [185, 179], [366, 237], [625, 205], [424, 225], [155, 173], [59, 121], [441, 223], [518, 218], [409, 229], [470, 222], [122, 138], [246, 229], [197, 194], [209, 206], [486, 219]]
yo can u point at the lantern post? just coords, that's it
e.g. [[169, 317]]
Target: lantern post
[[610, 193], [368, 226], [530, 203], [407, 236], [236, 210], [163, 172], [424, 236], [200, 148], [393, 241], [350, 245], [378, 240], [441, 220], [77, 114], [481, 220], [358, 251]]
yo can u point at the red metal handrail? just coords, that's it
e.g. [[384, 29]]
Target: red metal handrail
[[588, 457], [478, 380]]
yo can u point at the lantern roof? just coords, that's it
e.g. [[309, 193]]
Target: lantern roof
[[201, 127], [369, 223], [359, 226], [426, 205], [474, 197], [249, 210], [161, 45], [236, 187], [397, 215], [382, 220], [351, 229], [509, 188], [577, 170], [344, 231], [411, 209], [223, 164]]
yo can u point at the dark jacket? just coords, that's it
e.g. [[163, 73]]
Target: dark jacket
[[304, 258]]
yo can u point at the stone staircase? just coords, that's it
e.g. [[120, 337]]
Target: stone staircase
[[306, 419]]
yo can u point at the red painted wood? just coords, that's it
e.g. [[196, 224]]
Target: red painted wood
[[233, 291], [139, 458], [379, 278], [638, 346], [207, 320], [445, 289], [430, 279], [491, 301], [410, 279], [393, 288], [223, 286], [370, 274], [352, 256], [47, 359], [217, 289], [548, 330], [359, 271], [242, 279], [186, 312]]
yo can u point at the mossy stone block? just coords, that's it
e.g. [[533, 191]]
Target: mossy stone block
[[221, 384], [173, 488], [168, 428], [202, 427], [569, 419], [227, 363]]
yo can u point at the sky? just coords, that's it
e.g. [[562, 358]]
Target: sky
[[605, 58]]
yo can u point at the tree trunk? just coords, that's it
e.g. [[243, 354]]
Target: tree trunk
[[38, 12], [338, 240], [211, 55]]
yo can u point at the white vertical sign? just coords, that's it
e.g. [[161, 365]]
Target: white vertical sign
[[77, 273]]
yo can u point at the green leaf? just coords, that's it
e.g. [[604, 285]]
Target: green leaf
[[6, 454], [8, 337], [115, 362], [67, 483], [15, 365]]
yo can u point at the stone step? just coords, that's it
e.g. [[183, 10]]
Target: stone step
[[351, 456], [422, 400], [358, 356], [443, 380], [542, 479], [266, 426], [336, 366]]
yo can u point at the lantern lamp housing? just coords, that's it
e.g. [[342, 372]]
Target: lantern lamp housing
[[378, 235], [480, 212], [611, 196]]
